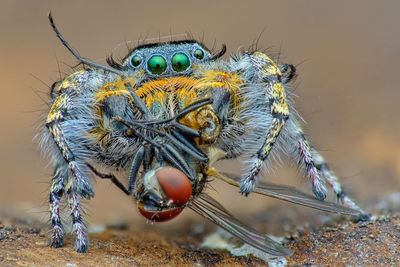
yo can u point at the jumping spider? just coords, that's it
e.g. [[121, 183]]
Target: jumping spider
[[172, 110]]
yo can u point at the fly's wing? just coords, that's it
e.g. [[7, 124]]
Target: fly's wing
[[291, 194], [210, 209]]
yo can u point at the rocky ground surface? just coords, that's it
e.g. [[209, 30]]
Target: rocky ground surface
[[327, 241], [375, 243]]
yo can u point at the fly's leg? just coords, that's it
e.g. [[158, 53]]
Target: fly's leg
[[135, 166], [333, 181], [112, 178], [278, 108], [56, 193], [78, 184]]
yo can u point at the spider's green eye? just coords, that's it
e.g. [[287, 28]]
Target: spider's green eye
[[180, 62], [157, 64], [136, 60], [198, 53]]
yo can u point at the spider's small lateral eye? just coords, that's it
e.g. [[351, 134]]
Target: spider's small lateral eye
[[180, 62], [198, 53], [136, 60], [157, 64]]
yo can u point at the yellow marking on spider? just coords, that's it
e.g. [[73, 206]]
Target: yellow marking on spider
[[157, 90], [273, 70], [188, 90], [171, 84], [115, 88], [67, 84], [101, 96], [156, 97], [223, 80], [110, 89], [184, 89], [280, 105], [272, 135], [270, 67], [55, 111], [71, 81]]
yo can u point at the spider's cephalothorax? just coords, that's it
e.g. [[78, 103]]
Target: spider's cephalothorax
[[176, 105]]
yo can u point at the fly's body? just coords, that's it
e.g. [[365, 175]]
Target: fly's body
[[173, 110]]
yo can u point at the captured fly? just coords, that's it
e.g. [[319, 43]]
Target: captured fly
[[161, 118]]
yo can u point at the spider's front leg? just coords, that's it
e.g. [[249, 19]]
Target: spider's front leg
[[269, 74], [69, 177], [56, 193]]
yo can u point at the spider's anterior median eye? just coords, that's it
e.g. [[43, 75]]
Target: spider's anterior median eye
[[157, 64], [136, 60], [180, 62], [198, 53]]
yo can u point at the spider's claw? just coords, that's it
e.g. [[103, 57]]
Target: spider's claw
[[348, 202], [57, 237], [364, 217], [81, 246], [248, 182], [319, 191], [247, 185]]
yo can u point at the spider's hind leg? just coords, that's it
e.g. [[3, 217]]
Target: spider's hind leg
[[333, 182], [318, 173], [307, 162]]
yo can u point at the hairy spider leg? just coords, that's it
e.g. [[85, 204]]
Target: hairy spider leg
[[74, 182]]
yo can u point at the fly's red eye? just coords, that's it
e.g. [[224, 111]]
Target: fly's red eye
[[175, 184], [159, 216], [177, 188]]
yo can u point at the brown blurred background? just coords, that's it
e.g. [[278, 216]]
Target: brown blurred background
[[347, 54]]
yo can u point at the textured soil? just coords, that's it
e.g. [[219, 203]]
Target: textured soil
[[22, 245], [375, 243], [342, 243]]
